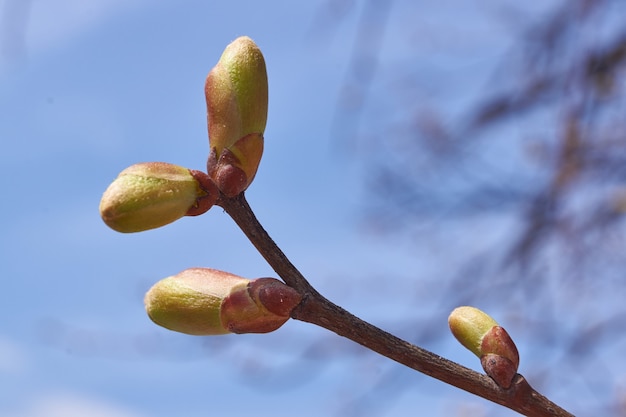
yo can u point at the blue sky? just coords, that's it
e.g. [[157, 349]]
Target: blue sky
[[97, 86]]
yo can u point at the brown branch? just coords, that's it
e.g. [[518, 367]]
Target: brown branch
[[316, 309]]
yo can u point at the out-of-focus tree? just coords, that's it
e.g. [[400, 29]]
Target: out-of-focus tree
[[519, 185]]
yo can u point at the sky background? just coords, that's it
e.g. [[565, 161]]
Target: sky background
[[89, 88]]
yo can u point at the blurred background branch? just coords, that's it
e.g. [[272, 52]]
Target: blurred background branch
[[519, 189]]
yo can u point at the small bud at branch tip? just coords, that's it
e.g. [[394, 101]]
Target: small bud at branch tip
[[479, 333]]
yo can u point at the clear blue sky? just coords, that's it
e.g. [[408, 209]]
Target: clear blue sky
[[88, 88]]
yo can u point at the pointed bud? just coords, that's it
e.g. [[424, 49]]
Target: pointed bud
[[236, 96], [150, 195], [203, 301], [482, 335]]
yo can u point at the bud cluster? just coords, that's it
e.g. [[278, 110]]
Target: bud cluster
[[145, 196], [150, 195]]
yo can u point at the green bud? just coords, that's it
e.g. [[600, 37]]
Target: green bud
[[237, 101], [469, 325], [149, 195], [190, 301], [203, 301], [482, 335]]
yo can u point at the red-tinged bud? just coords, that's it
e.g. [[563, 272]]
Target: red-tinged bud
[[500, 358], [263, 306], [237, 165], [203, 301], [499, 368], [237, 96], [482, 335], [497, 341]]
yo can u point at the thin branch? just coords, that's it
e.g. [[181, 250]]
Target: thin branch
[[316, 309]]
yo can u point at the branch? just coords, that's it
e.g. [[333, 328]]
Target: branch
[[316, 309]]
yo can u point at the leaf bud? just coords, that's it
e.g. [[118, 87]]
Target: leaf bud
[[204, 301], [152, 194], [482, 335], [237, 100]]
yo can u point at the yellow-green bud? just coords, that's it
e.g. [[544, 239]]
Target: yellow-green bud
[[237, 101], [149, 195], [204, 301], [469, 325], [482, 335]]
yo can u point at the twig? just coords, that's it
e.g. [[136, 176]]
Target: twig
[[316, 309]]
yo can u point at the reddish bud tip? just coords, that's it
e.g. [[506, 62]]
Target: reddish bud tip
[[499, 368], [262, 307], [275, 296]]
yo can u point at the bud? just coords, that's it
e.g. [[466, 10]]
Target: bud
[[203, 301], [236, 96], [149, 195], [482, 335]]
